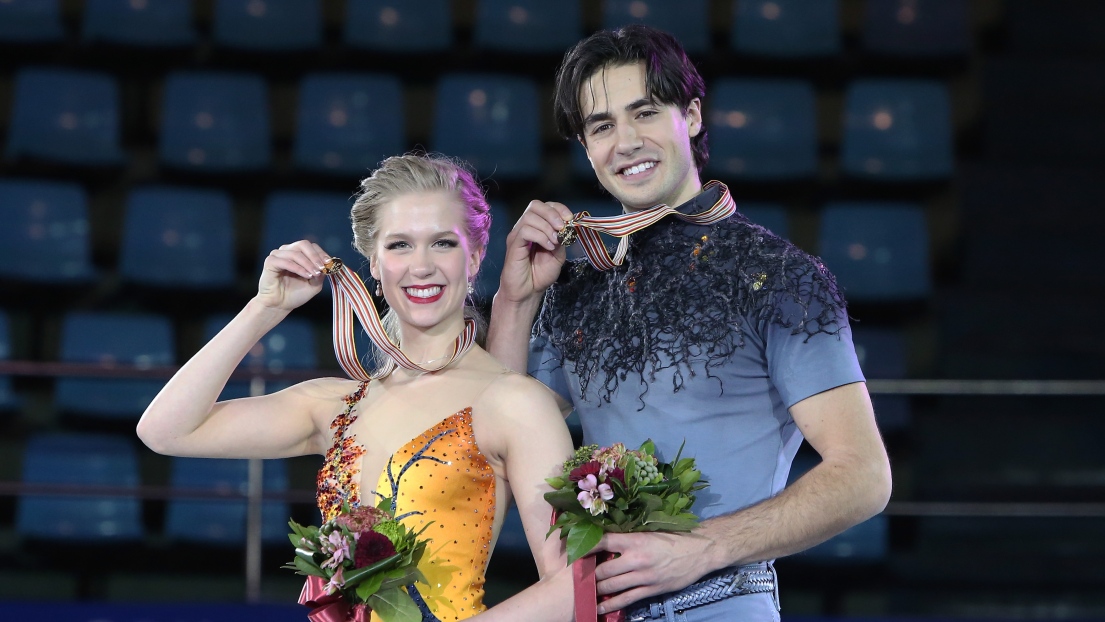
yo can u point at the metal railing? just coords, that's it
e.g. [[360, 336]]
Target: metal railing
[[255, 495]]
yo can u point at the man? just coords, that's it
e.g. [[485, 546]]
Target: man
[[722, 335]]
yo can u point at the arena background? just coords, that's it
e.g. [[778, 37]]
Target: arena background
[[943, 157]]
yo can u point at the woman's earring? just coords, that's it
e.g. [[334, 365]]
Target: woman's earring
[[471, 290], [379, 290]]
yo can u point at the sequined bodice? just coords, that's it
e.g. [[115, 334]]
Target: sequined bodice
[[439, 476]]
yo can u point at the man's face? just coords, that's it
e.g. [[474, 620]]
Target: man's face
[[640, 149]]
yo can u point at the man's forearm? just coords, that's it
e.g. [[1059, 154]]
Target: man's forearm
[[830, 498], [509, 330]]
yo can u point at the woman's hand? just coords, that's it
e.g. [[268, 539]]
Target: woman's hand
[[292, 275]]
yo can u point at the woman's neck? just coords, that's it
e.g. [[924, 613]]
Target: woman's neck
[[430, 347]]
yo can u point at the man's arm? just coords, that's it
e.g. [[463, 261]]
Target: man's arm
[[851, 484]]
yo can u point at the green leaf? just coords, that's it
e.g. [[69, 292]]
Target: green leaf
[[658, 521], [680, 452], [384, 504], [394, 605], [688, 478], [369, 586], [354, 576], [309, 568], [564, 500], [652, 502], [582, 538], [556, 482], [683, 465], [648, 447], [617, 515], [400, 577]]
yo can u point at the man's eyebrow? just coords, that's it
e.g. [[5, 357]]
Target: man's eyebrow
[[606, 116]]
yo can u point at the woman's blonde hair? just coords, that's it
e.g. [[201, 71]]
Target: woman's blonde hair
[[411, 173]]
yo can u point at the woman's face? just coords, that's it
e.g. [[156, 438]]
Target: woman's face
[[424, 260]]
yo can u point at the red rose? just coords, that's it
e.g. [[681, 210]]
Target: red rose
[[580, 472], [371, 548]]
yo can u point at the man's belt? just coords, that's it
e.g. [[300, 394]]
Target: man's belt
[[751, 579]]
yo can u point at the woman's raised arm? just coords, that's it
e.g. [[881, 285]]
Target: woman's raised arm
[[185, 420]]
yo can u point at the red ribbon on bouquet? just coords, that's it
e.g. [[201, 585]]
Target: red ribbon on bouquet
[[329, 608], [586, 592]]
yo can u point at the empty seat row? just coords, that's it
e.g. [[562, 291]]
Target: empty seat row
[[760, 129], [88, 460], [146, 341], [184, 237], [782, 28]]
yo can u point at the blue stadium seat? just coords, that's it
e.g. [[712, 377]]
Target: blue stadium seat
[[865, 543], [399, 26], [291, 345], [527, 25], [602, 209], [80, 460], [763, 129], [223, 521], [347, 123], [178, 237], [487, 283], [268, 25], [771, 216], [65, 116], [8, 399], [215, 122], [30, 21], [45, 234], [878, 252], [686, 20], [320, 217], [491, 121], [882, 355], [786, 28], [109, 339], [920, 28], [897, 130], [161, 23]]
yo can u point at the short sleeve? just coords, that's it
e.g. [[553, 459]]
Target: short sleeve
[[803, 363], [545, 365]]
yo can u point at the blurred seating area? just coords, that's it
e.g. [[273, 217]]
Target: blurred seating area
[[942, 157]]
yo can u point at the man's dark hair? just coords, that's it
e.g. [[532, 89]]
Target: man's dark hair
[[670, 77]]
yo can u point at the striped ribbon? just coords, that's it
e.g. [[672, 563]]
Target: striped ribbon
[[588, 227], [351, 299]]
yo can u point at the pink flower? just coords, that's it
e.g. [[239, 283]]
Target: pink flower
[[336, 583], [337, 547], [594, 495]]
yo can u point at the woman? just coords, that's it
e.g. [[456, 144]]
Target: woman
[[472, 434]]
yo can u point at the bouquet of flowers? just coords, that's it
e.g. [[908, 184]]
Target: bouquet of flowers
[[358, 562], [619, 490]]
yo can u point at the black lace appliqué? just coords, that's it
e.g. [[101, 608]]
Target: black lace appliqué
[[684, 299]]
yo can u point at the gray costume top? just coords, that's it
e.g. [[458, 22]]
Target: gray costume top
[[706, 334]]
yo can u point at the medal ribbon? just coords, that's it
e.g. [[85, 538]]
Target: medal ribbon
[[351, 299], [588, 227]]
